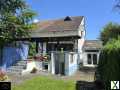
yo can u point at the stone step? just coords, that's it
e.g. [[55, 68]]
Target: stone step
[[18, 67], [20, 64], [13, 72]]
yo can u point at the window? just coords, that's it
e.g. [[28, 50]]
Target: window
[[89, 59], [92, 59]]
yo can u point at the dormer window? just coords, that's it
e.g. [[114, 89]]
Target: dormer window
[[67, 19]]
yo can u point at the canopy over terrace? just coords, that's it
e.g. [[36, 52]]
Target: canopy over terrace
[[57, 33]]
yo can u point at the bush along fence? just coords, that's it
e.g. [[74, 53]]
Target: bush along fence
[[109, 63]]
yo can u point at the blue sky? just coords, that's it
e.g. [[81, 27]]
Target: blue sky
[[97, 12]]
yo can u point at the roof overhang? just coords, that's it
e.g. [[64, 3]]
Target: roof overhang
[[50, 39]]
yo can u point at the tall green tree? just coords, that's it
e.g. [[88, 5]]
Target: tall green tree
[[15, 20], [109, 62], [110, 31]]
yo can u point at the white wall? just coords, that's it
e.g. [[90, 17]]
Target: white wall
[[70, 67], [81, 41]]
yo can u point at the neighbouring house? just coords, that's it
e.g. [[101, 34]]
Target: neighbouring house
[[64, 40], [91, 52]]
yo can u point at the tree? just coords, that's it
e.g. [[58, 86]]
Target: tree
[[15, 20], [110, 31], [109, 62]]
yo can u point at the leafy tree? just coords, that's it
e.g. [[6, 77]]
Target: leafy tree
[[109, 62], [110, 31], [15, 21]]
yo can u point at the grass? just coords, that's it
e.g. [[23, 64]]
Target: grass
[[45, 83]]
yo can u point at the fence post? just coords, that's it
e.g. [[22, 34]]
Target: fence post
[[53, 63]]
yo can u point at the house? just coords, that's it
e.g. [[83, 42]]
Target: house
[[66, 34], [64, 40], [91, 52]]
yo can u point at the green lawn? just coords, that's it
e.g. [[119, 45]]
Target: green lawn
[[45, 83]]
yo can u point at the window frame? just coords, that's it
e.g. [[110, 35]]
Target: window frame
[[92, 55]]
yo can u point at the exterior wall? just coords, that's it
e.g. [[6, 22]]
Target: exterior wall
[[82, 28], [80, 51], [85, 58], [72, 66], [76, 45], [13, 54], [81, 41], [67, 64]]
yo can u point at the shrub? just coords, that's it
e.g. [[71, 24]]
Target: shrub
[[109, 62], [3, 75], [110, 31], [32, 49]]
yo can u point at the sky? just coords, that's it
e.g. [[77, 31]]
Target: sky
[[97, 13]]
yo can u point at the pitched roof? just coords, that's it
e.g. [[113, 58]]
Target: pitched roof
[[92, 44], [64, 24]]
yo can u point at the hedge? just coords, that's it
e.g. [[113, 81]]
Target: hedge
[[109, 62]]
